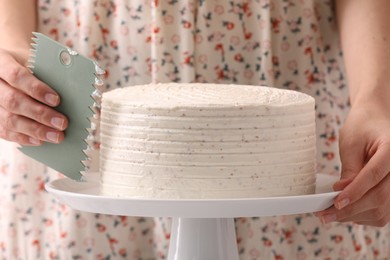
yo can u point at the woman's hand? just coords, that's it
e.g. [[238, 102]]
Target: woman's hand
[[26, 116], [365, 157]]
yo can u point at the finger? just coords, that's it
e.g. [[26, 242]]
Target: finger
[[334, 214], [341, 184], [26, 126], [373, 215], [327, 215], [378, 217], [373, 206], [378, 223], [352, 156], [371, 175], [18, 138], [354, 212], [21, 104], [22, 79]]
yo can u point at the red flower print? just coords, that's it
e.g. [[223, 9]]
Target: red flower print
[[229, 25], [219, 47], [96, 145], [288, 234], [41, 185], [332, 139], [114, 44], [69, 43], [267, 242], [123, 252], [148, 39], [337, 238], [100, 227], [248, 35], [187, 60], [54, 33], [113, 241], [275, 24], [37, 243], [66, 11], [275, 60], [238, 57], [314, 28], [309, 51], [329, 155], [123, 220], [53, 255], [186, 24], [357, 247], [104, 32], [48, 222], [279, 257], [4, 168], [106, 74], [309, 77], [220, 73], [246, 9]]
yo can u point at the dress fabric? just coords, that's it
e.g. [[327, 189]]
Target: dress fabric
[[290, 44]]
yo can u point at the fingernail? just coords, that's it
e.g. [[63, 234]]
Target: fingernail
[[34, 141], [328, 218], [53, 137], [343, 203], [51, 99], [57, 122]]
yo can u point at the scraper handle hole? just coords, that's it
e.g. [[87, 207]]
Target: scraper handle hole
[[65, 58]]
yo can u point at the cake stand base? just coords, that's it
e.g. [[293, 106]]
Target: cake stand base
[[203, 239]]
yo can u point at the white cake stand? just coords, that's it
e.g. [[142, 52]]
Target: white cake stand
[[201, 229]]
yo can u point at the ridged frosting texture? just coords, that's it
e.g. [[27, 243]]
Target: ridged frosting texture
[[206, 141]]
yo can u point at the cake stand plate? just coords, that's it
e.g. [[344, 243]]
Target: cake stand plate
[[202, 229]]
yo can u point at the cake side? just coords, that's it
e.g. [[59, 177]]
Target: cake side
[[207, 141]]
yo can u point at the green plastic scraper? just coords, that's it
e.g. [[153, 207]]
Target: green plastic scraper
[[75, 78]]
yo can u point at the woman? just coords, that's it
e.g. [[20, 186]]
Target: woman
[[286, 44]]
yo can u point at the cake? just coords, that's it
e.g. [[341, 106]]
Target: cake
[[206, 141]]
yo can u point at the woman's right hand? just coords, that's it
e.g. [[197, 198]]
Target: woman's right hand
[[27, 116]]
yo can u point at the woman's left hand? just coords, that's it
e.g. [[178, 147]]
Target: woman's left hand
[[365, 177]]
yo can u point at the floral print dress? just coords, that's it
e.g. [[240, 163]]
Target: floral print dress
[[290, 44]]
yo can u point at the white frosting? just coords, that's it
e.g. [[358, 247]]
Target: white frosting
[[207, 141]]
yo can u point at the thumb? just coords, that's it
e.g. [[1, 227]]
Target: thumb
[[352, 161]]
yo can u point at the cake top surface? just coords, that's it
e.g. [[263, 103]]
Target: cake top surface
[[171, 95]]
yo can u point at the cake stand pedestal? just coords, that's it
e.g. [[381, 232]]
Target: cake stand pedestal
[[203, 238], [201, 229]]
